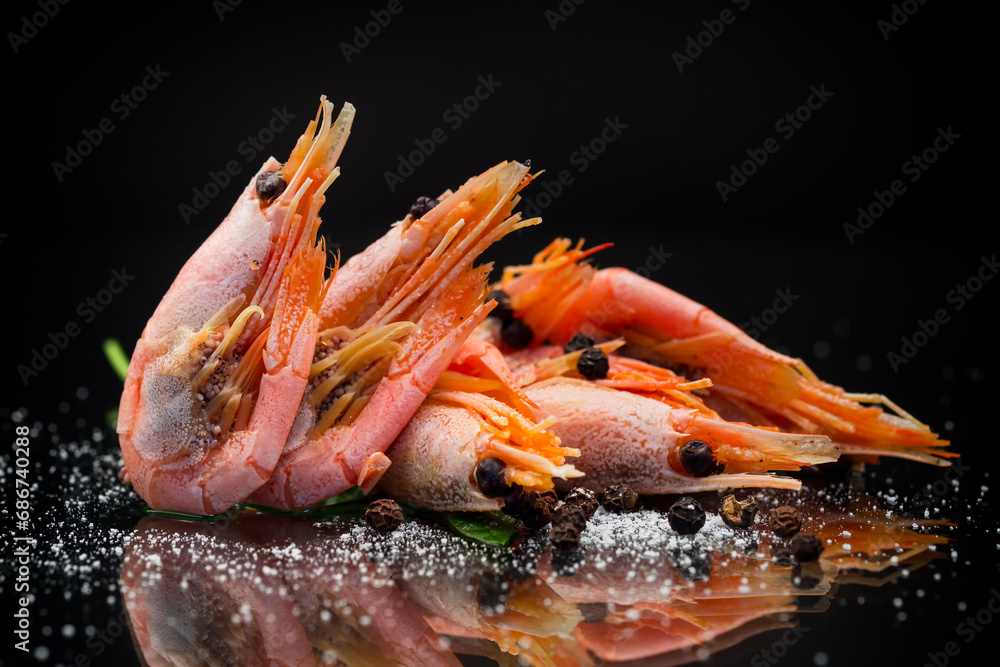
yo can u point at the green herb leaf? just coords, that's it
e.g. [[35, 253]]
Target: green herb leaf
[[225, 516], [111, 418], [341, 509], [493, 528], [353, 493], [116, 357]]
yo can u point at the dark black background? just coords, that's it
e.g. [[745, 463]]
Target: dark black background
[[654, 187]]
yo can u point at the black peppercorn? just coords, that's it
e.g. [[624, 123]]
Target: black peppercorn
[[738, 513], [585, 499], [421, 206], [270, 185], [806, 548], [533, 508], [593, 364], [785, 521], [491, 477], [503, 312], [573, 514], [384, 515], [619, 498], [698, 459], [565, 535], [516, 334], [686, 516], [578, 342]]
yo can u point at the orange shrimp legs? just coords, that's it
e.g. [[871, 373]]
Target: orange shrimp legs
[[558, 296], [215, 379], [391, 320]]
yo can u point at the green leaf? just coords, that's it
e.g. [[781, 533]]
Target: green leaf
[[492, 528], [232, 512], [112, 419], [116, 357], [353, 493], [318, 512]]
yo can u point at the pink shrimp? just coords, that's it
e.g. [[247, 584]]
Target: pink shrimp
[[557, 296], [391, 321], [215, 379]]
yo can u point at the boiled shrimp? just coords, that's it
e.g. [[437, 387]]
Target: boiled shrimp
[[558, 295], [391, 320], [215, 379]]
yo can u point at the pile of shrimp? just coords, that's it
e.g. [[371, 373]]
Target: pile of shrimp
[[269, 374]]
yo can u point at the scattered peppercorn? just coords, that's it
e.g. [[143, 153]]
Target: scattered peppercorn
[[686, 516], [619, 498], [593, 364], [516, 334], [533, 508], [491, 477], [503, 312], [698, 459], [785, 521], [738, 513], [384, 515], [421, 206], [565, 535], [491, 593], [270, 185], [570, 513], [585, 499], [806, 548], [578, 342]]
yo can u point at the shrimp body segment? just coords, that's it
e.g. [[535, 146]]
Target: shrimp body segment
[[624, 437], [391, 321], [558, 296], [214, 382]]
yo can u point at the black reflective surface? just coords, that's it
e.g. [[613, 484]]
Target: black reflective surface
[[87, 253]]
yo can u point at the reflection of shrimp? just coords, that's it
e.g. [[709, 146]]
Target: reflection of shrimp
[[391, 321], [181, 613], [557, 297], [214, 381]]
